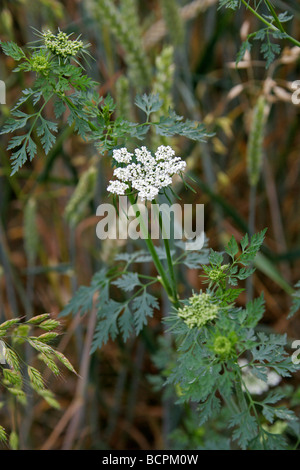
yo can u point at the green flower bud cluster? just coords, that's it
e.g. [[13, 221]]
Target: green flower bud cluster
[[223, 346], [218, 274], [40, 63], [200, 310], [61, 45]]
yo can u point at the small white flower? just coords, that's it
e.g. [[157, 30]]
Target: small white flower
[[148, 174], [122, 155], [273, 378], [117, 187], [144, 156], [123, 174], [145, 191], [164, 153], [255, 385]]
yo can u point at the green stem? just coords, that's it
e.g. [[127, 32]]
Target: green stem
[[261, 18], [244, 405], [244, 402], [270, 25], [240, 396], [273, 13], [160, 269], [70, 104], [230, 403], [169, 258]]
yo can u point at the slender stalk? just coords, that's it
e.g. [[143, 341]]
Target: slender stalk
[[230, 403], [169, 258], [261, 18], [171, 270], [251, 231], [273, 13], [160, 269], [71, 105], [270, 25], [240, 396]]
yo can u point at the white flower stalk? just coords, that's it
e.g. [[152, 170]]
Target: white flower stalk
[[145, 173]]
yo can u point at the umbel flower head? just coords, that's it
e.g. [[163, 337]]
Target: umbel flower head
[[143, 172], [60, 44], [199, 311]]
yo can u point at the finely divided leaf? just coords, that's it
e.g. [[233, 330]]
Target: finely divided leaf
[[143, 307], [232, 247], [295, 307], [107, 325], [44, 131], [82, 301], [255, 310], [12, 50], [148, 103], [128, 282], [125, 323]]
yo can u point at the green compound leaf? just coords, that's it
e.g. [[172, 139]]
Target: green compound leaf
[[143, 307], [107, 326], [44, 131], [148, 103], [295, 307], [82, 301], [246, 46], [12, 50], [232, 4], [209, 408], [255, 310], [246, 428], [173, 124], [3, 435], [128, 282], [125, 323], [232, 247]]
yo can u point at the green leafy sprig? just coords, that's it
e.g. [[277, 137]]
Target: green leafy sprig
[[218, 353], [60, 78]]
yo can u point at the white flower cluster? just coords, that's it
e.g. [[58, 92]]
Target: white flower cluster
[[254, 384], [149, 174], [61, 45]]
